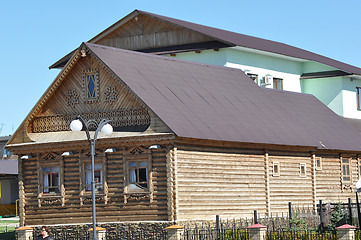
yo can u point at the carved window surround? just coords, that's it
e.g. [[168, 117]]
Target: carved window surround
[[137, 154], [91, 89], [50, 160], [85, 195], [119, 118]]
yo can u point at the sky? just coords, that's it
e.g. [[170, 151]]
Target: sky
[[35, 34]]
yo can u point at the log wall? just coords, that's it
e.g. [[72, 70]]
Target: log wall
[[228, 184], [110, 208]]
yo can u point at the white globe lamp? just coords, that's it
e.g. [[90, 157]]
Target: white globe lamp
[[76, 125]]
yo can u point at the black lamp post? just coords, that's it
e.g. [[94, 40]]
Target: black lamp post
[[103, 126]]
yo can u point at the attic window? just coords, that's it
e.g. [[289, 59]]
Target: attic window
[[278, 83], [358, 92], [91, 86], [254, 77], [276, 169], [303, 169]]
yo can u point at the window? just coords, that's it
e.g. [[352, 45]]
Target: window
[[303, 169], [91, 86], [318, 163], [98, 177], [138, 175], [346, 169], [51, 179], [254, 77], [278, 83], [358, 92], [276, 169]]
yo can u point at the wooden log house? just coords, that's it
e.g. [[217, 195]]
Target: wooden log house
[[190, 141]]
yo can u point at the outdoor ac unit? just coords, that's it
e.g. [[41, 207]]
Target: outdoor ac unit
[[268, 79]]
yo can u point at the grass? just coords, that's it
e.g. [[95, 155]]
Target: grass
[[4, 222]]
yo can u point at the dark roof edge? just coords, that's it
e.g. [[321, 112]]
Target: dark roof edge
[[324, 74]]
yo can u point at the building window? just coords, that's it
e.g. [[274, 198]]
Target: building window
[[51, 179], [358, 92], [254, 77], [138, 175], [91, 86], [278, 83], [276, 169], [318, 163], [98, 177], [346, 170], [303, 169]]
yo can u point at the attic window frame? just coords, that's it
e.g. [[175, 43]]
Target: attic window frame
[[276, 169], [96, 91], [358, 95], [278, 83], [318, 164], [303, 170]]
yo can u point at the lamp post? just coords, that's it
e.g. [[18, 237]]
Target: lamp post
[[77, 125], [357, 190]]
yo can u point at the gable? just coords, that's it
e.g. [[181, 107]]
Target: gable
[[144, 32], [90, 90]]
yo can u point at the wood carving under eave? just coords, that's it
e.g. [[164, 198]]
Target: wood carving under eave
[[101, 143]]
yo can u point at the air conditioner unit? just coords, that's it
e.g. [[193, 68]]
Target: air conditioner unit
[[268, 79]]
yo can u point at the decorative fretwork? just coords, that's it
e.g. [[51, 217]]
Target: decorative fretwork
[[111, 94], [50, 156], [136, 150], [136, 196], [119, 119], [72, 98]]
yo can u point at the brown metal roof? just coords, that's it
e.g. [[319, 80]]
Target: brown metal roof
[[232, 39], [242, 40], [218, 103]]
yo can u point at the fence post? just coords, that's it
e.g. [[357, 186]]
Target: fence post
[[175, 232], [346, 232], [255, 217], [290, 213], [349, 211], [321, 218], [257, 232], [217, 226], [24, 233], [101, 233]]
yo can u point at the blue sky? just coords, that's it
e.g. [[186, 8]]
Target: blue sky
[[35, 34]]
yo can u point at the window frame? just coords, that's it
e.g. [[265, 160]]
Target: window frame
[[318, 167], [85, 177], [50, 174], [50, 160], [303, 173], [128, 186], [276, 82], [96, 90], [358, 96], [346, 167], [254, 77], [276, 171], [141, 154]]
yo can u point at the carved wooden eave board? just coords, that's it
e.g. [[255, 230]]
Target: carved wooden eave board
[[69, 96]]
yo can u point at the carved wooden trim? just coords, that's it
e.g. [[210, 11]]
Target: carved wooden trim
[[111, 94], [119, 118], [72, 98]]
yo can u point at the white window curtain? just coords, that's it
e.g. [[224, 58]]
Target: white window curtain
[[46, 183], [133, 176]]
